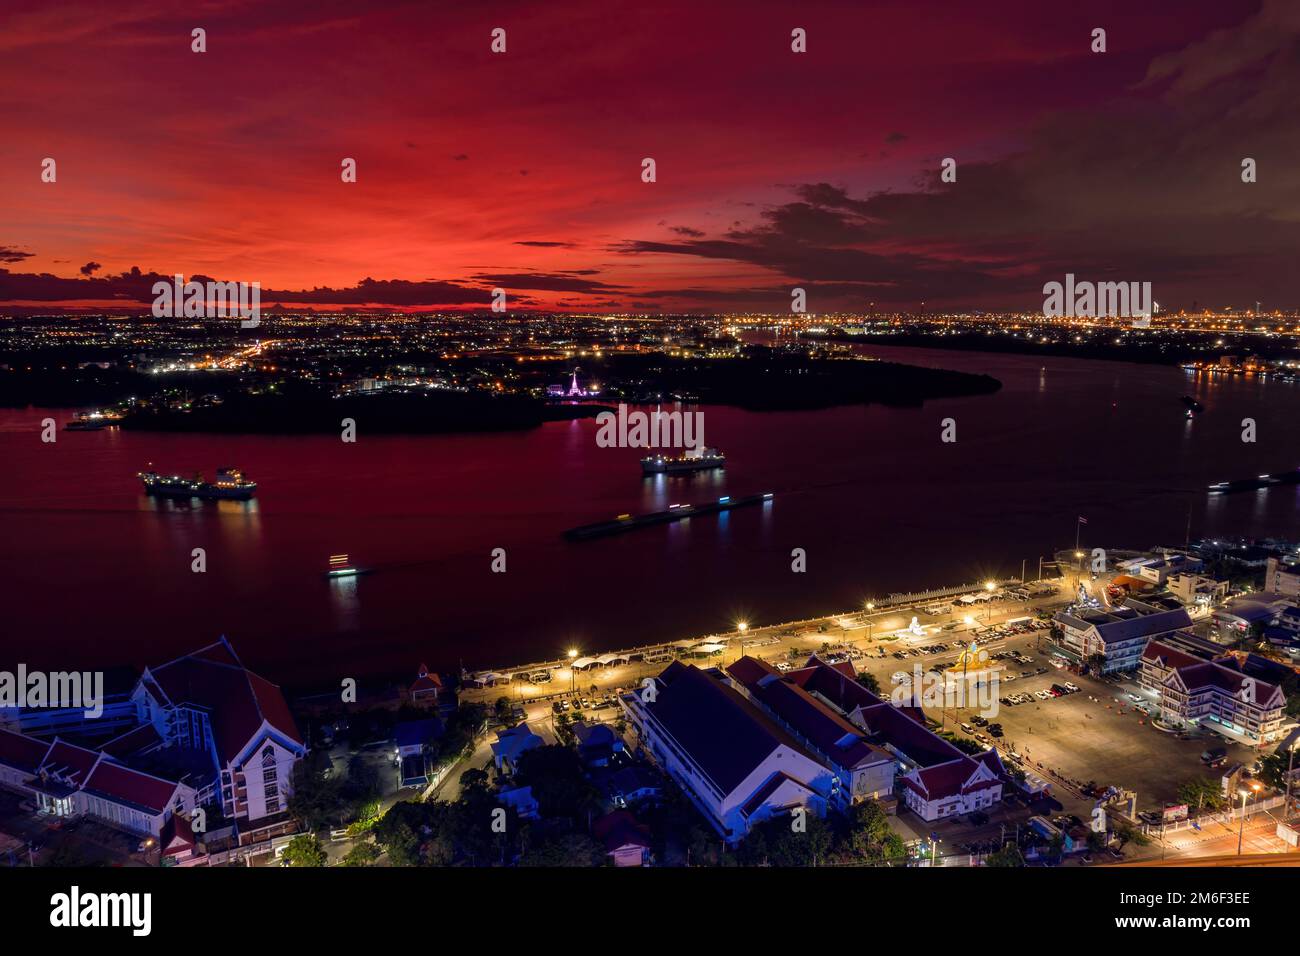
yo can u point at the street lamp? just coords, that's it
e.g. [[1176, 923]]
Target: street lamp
[[573, 674], [1241, 828]]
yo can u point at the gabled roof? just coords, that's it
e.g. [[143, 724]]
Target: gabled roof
[[426, 681], [514, 741], [593, 735], [956, 777], [1207, 675], [132, 742], [1129, 629], [620, 829], [69, 761], [22, 752], [898, 728], [768, 790], [131, 787], [1165, 656], [415, 733], [830, 732], [726, 735], [214, 680]]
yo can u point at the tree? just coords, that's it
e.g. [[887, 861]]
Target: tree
[[556, 775], [1202, 794], [868, 830], [1273, 769], [1096, 663], [964, 744], [1009, 855], [569, 849], [304, 850], [1126, 834], [501, 709], [870, 682], [398, 832], [363, 854]]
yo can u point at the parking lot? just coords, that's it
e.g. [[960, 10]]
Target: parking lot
[[1096, 734]]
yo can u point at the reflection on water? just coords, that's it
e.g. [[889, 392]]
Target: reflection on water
[[344, 597], [871, 495]]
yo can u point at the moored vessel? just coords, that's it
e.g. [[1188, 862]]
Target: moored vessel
[[229, 484], [693, 459]]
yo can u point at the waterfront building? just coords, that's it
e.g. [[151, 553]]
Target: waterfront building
[[65, 780], [208, 733], [875, 748], [1118, 634], [813, 704], [1211, 692], [209, 705], [737, 765]]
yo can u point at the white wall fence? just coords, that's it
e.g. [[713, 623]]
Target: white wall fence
[[1223, 816]]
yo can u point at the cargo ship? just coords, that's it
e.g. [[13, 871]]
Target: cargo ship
[[693, 459], [229, 484]]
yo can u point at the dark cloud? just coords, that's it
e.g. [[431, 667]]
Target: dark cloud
[[546, 282], [136, 287], [688, 232], [539, 244], [90, 268], [13, 255], [1145, 188], [895, 138]]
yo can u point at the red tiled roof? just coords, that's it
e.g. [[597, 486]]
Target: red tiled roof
[[132, 742], [69, 761], [124, 785], [620, 829], [236, 699], [1167, 656], [22, 752], [840, 741], [428, 680]]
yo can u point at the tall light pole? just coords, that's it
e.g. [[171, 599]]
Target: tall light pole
[[741, 628], [573, 653], [1290, 768], [1241, 828]]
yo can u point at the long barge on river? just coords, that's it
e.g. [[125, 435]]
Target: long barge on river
[[1253, 484]]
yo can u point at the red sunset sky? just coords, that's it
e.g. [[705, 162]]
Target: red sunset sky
[[775, 169]]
